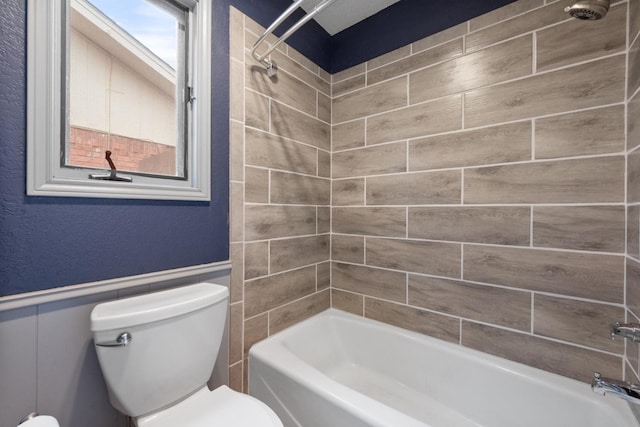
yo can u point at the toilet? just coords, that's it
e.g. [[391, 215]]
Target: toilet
[[157, 352]]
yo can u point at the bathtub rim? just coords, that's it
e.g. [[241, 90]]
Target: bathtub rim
[[274, 348]]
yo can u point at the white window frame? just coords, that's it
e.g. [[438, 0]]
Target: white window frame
[[45, 130]]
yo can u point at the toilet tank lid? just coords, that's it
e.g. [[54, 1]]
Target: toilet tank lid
[[155, 306]]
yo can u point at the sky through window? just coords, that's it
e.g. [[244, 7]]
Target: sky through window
[[149, 24]]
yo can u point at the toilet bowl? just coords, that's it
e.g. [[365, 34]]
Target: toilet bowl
[[157, 352]]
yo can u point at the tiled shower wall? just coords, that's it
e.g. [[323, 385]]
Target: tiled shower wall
[[478, 190], [280, 192], [633, 180]]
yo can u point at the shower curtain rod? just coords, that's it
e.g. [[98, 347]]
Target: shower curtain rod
[[272, 67]]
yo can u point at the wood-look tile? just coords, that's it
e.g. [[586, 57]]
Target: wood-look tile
[[236, 88], [633, 360], [323, 224], [299, 70], [324, 164], [633, 122], [251, 35], [495, 64], [414, 62], [498, 306], [287, 254], [564, 359], [388, 57], [348, 135], [236, 151], [347, 248], [370, 100], [255, 330], [379, 159], [382, 221], [349, 85], [425, 119], [289, 188], [590, 180], [268, 222], [634, 19], [235, 377], [236, 34], [349, 72], [347, 301], [420, 188], [584, 275], [256, 185], [236, 278], [236, 216], [587, 85], [632, 268], [598, 131], [504, 13], [565, 44], [496, 144], [256, 259], [302, 60], [323, 275], [633, 76], [633, 177], [589, 228], [345, 192], [501, 225], [300, 127], [578, 322], [286, 88], [439, 38], [436, 258], [633, 231], [297, 311], [424, 322], [324, 75], [257, 110], [389, 285], [324, 108], [261, 295], [271, 151], [235, 333], [510, 28]]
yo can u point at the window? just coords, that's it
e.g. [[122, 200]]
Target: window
[[119, 98]]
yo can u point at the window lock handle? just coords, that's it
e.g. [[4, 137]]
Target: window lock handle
[[112, 176]]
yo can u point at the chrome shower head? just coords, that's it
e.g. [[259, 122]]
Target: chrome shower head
[[589, 9]]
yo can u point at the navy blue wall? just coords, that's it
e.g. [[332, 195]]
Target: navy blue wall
[[47, 242]]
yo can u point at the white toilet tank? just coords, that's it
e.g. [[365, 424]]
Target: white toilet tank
[[174, 340]]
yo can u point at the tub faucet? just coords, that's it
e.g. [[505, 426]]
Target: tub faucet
[[621, 389], [630, 331]]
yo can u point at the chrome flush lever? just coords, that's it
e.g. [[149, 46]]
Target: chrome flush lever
[[123, 340]]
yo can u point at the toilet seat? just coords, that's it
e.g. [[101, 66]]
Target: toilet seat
[[220, 407]]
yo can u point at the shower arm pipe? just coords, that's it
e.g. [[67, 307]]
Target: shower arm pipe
[[262, 58]]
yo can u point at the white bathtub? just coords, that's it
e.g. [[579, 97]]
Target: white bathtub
[[340, 370]]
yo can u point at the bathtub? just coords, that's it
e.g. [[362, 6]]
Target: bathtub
[[340, 370]]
